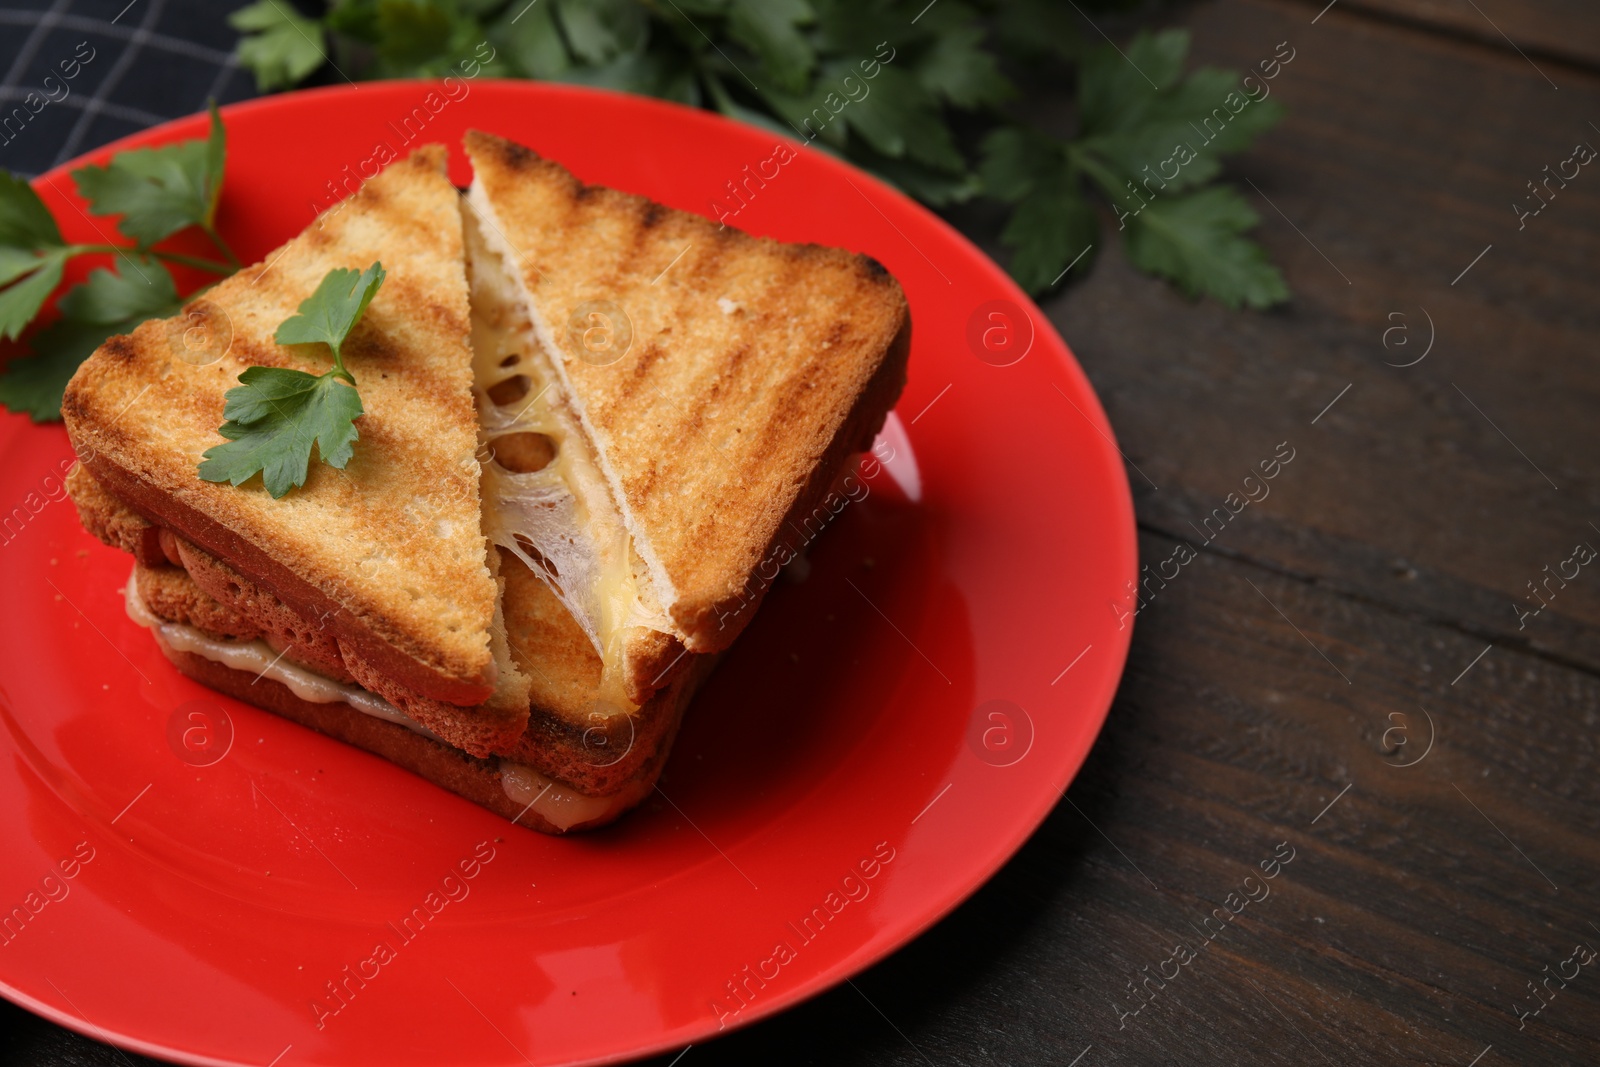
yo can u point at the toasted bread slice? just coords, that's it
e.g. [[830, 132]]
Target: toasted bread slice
[[732, 379], [387, 556]]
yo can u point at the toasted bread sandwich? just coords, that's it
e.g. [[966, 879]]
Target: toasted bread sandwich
[[516, 602]]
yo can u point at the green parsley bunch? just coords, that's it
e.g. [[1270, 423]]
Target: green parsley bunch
[[158, 192], [939, 120]]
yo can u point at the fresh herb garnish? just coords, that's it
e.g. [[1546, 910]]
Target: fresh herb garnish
[[158, 192], [286, 45], [1146, 152], [276, 414], [923, 102]]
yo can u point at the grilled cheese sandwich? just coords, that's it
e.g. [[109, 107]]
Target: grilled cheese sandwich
[[570, 538]]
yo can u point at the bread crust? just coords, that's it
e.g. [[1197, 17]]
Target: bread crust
[[112, 521], [170, 594], [283, 628], [750, 358]]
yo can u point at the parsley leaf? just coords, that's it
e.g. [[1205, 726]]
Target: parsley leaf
[[899, 117], [531, 41], [1014, 160], [24, 220], [105, 305], [600, 31], [1141, 149], [770, 29], [276, 415], [20, 301], [956, 67], [1194, 241], [107, 298], [410, 32], [15, 262], [159, 191], [1052, 229], [1187, 125], [32, 255], [33, 385], [274, 418], [286, 46], [329, 314]]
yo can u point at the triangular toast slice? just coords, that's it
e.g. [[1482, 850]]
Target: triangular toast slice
[[703, 387], [386, 557]]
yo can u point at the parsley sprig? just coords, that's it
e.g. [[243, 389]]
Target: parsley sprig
[[158, 192], [933, 111], [277, 414]]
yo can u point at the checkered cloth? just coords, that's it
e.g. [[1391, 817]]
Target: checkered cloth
[[79, 73]]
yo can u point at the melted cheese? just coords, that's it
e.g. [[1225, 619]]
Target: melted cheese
[[563, 512], [259, 658], [558, 804]]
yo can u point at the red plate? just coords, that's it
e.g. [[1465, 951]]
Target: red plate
[[886, 735]]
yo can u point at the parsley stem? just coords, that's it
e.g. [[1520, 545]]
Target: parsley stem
[[196, 262], [1101, 174], [209, 265], [338, 370], [222, 246]]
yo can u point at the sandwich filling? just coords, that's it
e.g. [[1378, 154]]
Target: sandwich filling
[[544, 497], [557, 803]]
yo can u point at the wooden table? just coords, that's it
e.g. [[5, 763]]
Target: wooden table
[[1350, 673]]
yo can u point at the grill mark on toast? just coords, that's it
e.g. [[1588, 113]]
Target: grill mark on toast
[[512, 155], [120, 349], [731, 364], [640, 369], [317, 237], [373, 198], [420, 305], [643, 484]]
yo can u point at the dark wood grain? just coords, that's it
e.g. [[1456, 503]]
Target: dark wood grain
[[1566, 30], [1353, 600]]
